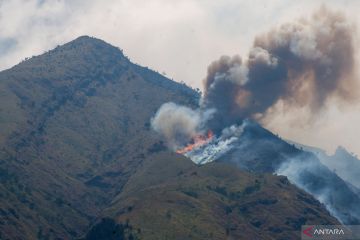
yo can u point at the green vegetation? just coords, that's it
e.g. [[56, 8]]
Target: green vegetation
[[171, 198], [76, 147]]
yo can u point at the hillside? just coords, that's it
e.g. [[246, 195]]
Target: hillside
[[71, 133], [260, 151], [171, 198], [76, 146]]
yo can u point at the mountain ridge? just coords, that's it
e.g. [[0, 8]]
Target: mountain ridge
[[75, 138], [259, 150], [53, 110]]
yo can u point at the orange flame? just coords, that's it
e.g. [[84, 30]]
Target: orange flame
[[197, 141]]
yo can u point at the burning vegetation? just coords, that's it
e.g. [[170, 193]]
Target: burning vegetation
[[197, 141]]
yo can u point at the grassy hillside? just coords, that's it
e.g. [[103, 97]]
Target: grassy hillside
[[260, 151], [171, 198], [74, 124], [76, 146]]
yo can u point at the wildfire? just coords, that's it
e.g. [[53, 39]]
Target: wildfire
[[197, 141]]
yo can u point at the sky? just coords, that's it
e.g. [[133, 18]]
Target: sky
[[177, 38]]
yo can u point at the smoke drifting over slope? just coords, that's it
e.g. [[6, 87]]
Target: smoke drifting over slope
[[306, 64], [301, 64]]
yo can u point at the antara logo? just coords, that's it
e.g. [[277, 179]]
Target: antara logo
[[327, 231]]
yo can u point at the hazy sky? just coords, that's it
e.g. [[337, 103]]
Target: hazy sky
[[179, 38]]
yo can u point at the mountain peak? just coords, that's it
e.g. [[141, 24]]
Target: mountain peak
[[87, 39], [342, 152], [89, 47], [91, 43], [82, 51]]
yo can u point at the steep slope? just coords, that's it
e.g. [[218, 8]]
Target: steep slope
[[169, 197], [76, 146], [74, 124], [343, 163], [258, 150]]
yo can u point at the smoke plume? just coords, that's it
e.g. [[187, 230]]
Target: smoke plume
[[304, 63], [301, 64], [178, 124]]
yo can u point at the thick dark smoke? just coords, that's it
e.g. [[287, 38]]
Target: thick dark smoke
[[301, 64], [238, 91], [304, 63]]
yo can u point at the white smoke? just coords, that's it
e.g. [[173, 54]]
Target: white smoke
[[300, 171], [176, 123], [217, 147], [179, 124]]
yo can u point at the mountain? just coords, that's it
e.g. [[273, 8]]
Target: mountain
[[343, 163], [78, 160], [74, 124], [258, 150]]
